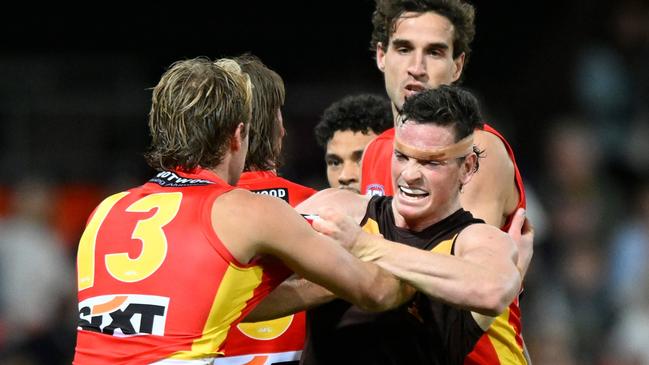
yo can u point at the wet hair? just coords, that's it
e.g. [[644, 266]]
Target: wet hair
[[195, 110], [268, 94], [363, 113], [460, 13]]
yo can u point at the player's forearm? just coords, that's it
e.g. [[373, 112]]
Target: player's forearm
[[444, 277], [387, 292], [293, 295]]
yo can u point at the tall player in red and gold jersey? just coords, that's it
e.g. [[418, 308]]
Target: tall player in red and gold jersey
[[421, 45], [279, 340], [166, 269]]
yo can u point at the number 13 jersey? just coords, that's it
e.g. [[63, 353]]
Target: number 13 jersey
[[156, 284]]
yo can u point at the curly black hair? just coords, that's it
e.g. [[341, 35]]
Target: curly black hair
[[358, 113]]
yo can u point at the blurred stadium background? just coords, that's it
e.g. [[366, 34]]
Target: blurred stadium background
[[566, 82]]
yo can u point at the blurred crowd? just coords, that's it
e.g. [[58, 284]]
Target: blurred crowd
[[586, 296]]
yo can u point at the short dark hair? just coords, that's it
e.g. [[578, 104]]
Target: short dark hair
[[460, 13], [195, 109], [445, 105], [267, 97], [358, 113]]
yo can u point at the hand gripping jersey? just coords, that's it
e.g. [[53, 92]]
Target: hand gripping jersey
[[281, 339], [420, 332], [503, 342], [156, 284]]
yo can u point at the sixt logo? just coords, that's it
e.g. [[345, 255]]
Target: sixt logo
[[124, 315]]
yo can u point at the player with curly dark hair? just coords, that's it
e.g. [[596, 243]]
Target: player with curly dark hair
[[344, 130]]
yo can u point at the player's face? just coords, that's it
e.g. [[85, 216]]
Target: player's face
[[425, 191], [419, 56], [343, 158]]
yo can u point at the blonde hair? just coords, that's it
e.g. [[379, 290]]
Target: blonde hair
[[195, 109]]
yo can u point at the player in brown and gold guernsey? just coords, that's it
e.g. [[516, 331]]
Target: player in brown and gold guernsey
[[465, 270], [420, 45]]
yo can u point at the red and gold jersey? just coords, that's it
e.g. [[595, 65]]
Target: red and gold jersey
[[268, 183], [503, 342], [376, 173], [518, 180], [281, 339], [156, 284]]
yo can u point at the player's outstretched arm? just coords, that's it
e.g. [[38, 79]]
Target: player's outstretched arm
[[344, 201], [295, 294], [482, 275], [251, 224]]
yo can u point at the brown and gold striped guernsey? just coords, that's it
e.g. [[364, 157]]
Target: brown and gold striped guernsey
[[422, 331]]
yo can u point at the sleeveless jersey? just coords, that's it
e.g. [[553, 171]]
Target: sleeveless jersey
[[419, 332], [281, 339], [156, 284], [503, 342], [376, 166]]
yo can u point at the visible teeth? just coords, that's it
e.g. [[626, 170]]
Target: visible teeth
[[414, 87], [414, 192]]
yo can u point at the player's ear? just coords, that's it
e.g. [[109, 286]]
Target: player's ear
[[380, 56], [458, 66], [468, 168], [239, 137]]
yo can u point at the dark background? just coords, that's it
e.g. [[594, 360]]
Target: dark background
[[567, 82], [74, 94]]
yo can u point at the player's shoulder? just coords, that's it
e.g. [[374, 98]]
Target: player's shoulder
[[385, 136], [379, 147], [296, 186], [242, 200], [478, 234], [293, 192], [332, 197], [489, 134], [493, 146]]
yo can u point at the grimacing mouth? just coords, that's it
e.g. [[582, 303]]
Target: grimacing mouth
[[413, 192]]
